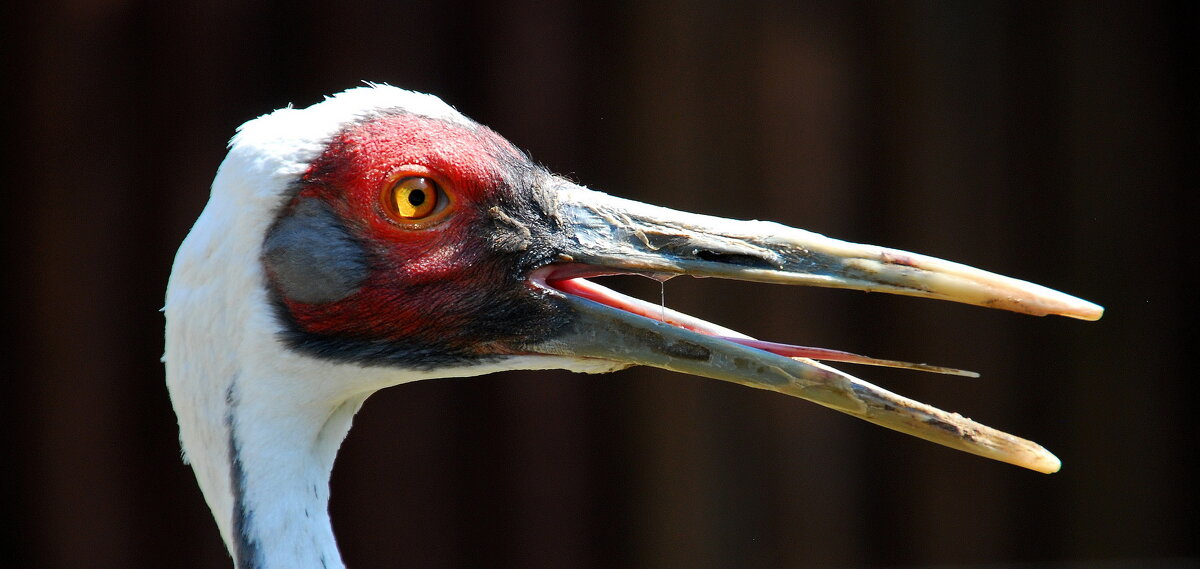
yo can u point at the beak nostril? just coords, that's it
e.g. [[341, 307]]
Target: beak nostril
[[740, 259]]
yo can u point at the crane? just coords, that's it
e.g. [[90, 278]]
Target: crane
[[380, 237]]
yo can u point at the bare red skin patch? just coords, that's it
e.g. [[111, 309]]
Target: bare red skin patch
[[428, 285]]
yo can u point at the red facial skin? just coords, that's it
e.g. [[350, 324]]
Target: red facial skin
[[434, 281]]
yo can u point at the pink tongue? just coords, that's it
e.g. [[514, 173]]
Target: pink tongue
[[592, 291], [790, 351]]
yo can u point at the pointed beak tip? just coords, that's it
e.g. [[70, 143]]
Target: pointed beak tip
[[1082, 310], [1046, 463], [1092, 312]]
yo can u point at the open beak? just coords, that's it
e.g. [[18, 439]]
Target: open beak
[[608, 235]]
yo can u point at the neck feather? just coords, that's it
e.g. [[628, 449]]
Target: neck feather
[[281, 456]]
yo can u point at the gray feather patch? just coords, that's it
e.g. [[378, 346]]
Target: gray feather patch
[[311, 256]]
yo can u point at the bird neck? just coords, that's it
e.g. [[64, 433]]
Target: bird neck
[[260, 425], [281, 455]]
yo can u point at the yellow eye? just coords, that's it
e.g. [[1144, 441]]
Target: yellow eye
[[412, 198]]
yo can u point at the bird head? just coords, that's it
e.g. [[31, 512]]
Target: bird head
[[409, 242], [382, 235]]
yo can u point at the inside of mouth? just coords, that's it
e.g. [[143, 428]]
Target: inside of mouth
[[583, 288]]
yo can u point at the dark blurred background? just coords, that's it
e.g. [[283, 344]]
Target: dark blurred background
[[1050, 141]]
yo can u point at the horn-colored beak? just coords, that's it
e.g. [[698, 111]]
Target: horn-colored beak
[[610, 235]]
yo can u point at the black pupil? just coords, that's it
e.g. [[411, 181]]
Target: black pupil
[[416, 197]]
